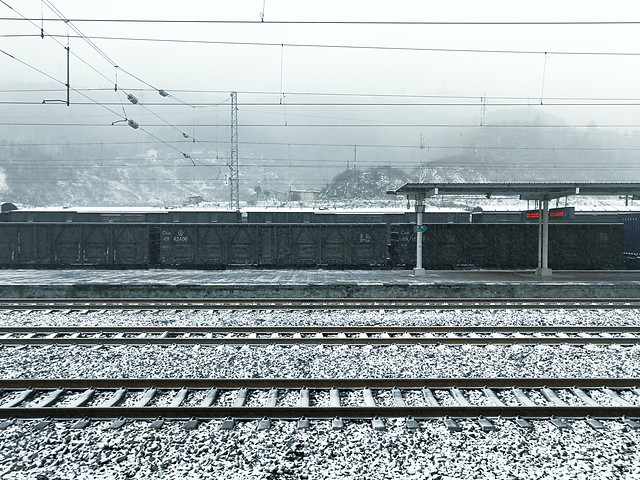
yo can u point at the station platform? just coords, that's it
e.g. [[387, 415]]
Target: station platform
[[254, 283]]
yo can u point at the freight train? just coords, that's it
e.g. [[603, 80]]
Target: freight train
[[215, 239]]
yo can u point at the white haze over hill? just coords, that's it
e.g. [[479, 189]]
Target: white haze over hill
[[462, 91]]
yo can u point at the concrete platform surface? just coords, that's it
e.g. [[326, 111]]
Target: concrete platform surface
[[252, 283], [304, 277]]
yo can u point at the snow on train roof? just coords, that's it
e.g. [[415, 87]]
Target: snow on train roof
[[116, 210], [578, 209], [321, 211], [350, 211], [338, 211], [389, 211]]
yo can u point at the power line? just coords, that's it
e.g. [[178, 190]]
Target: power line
[[321, 163], [338, 145], [347, 125], [95, 102], [342, 94], [338, 46], [106, 57], [101, 52], [43, 32], [343, 22], [109, 60], [630, 103]]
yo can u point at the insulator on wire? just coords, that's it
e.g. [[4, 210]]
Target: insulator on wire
[[133, 123], [132, 99], [163, 93]]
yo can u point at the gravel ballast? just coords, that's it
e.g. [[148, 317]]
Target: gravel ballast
[[357, 451], [220, 318], [309, 361], [282, 452]]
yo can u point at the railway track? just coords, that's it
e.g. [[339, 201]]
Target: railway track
[[316, 335], [194, 400], [316, 304]]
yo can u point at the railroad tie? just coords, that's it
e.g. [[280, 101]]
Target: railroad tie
[[142, 402], [493, 398], [451, 424], [303, 423], [553, 398], [582, 395], [411, 422], [81, 401], [459, 397], [25, 395], [241, 398], [207, 402], [175, 403], [46, 402], [369, 401], [112, 401], [334, 400], [625, 403], [265, 423], [526, 401]]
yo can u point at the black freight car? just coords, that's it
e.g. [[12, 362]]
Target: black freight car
[[510, 246], [210, 245], [74, 244], [273, 245], [354, 216], [631, 223]]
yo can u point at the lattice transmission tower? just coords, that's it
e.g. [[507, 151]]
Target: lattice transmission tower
[[234, 183]]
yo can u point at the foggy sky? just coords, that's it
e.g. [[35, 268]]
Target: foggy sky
[[332, 70], [521, 73]]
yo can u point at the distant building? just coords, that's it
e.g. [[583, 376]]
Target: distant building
[[194, 200], [303, 195]]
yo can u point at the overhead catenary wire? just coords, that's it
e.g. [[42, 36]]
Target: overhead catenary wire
[[348, 22], [106, 57], [344, 46], [271, 163], [355, 125], [82, 36], [343, 94], [94, 102], [334, 145], [101, 52], [630, 103], [43, 33], [374, 104]]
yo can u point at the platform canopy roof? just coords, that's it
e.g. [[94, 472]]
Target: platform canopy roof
[[526, 191]]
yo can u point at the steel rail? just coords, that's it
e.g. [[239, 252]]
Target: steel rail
[[315, 303], [292, 413], [315, 383], [325, 341], [288, 335], [84, 389], [329, 329]]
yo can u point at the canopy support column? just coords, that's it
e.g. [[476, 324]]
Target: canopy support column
[[543, 269], [419, 271]]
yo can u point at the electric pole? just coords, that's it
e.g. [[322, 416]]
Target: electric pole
[[234, 202]]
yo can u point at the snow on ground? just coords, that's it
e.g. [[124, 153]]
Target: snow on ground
[[448, 201], [282, 452], [220, 318], [309, 361]]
